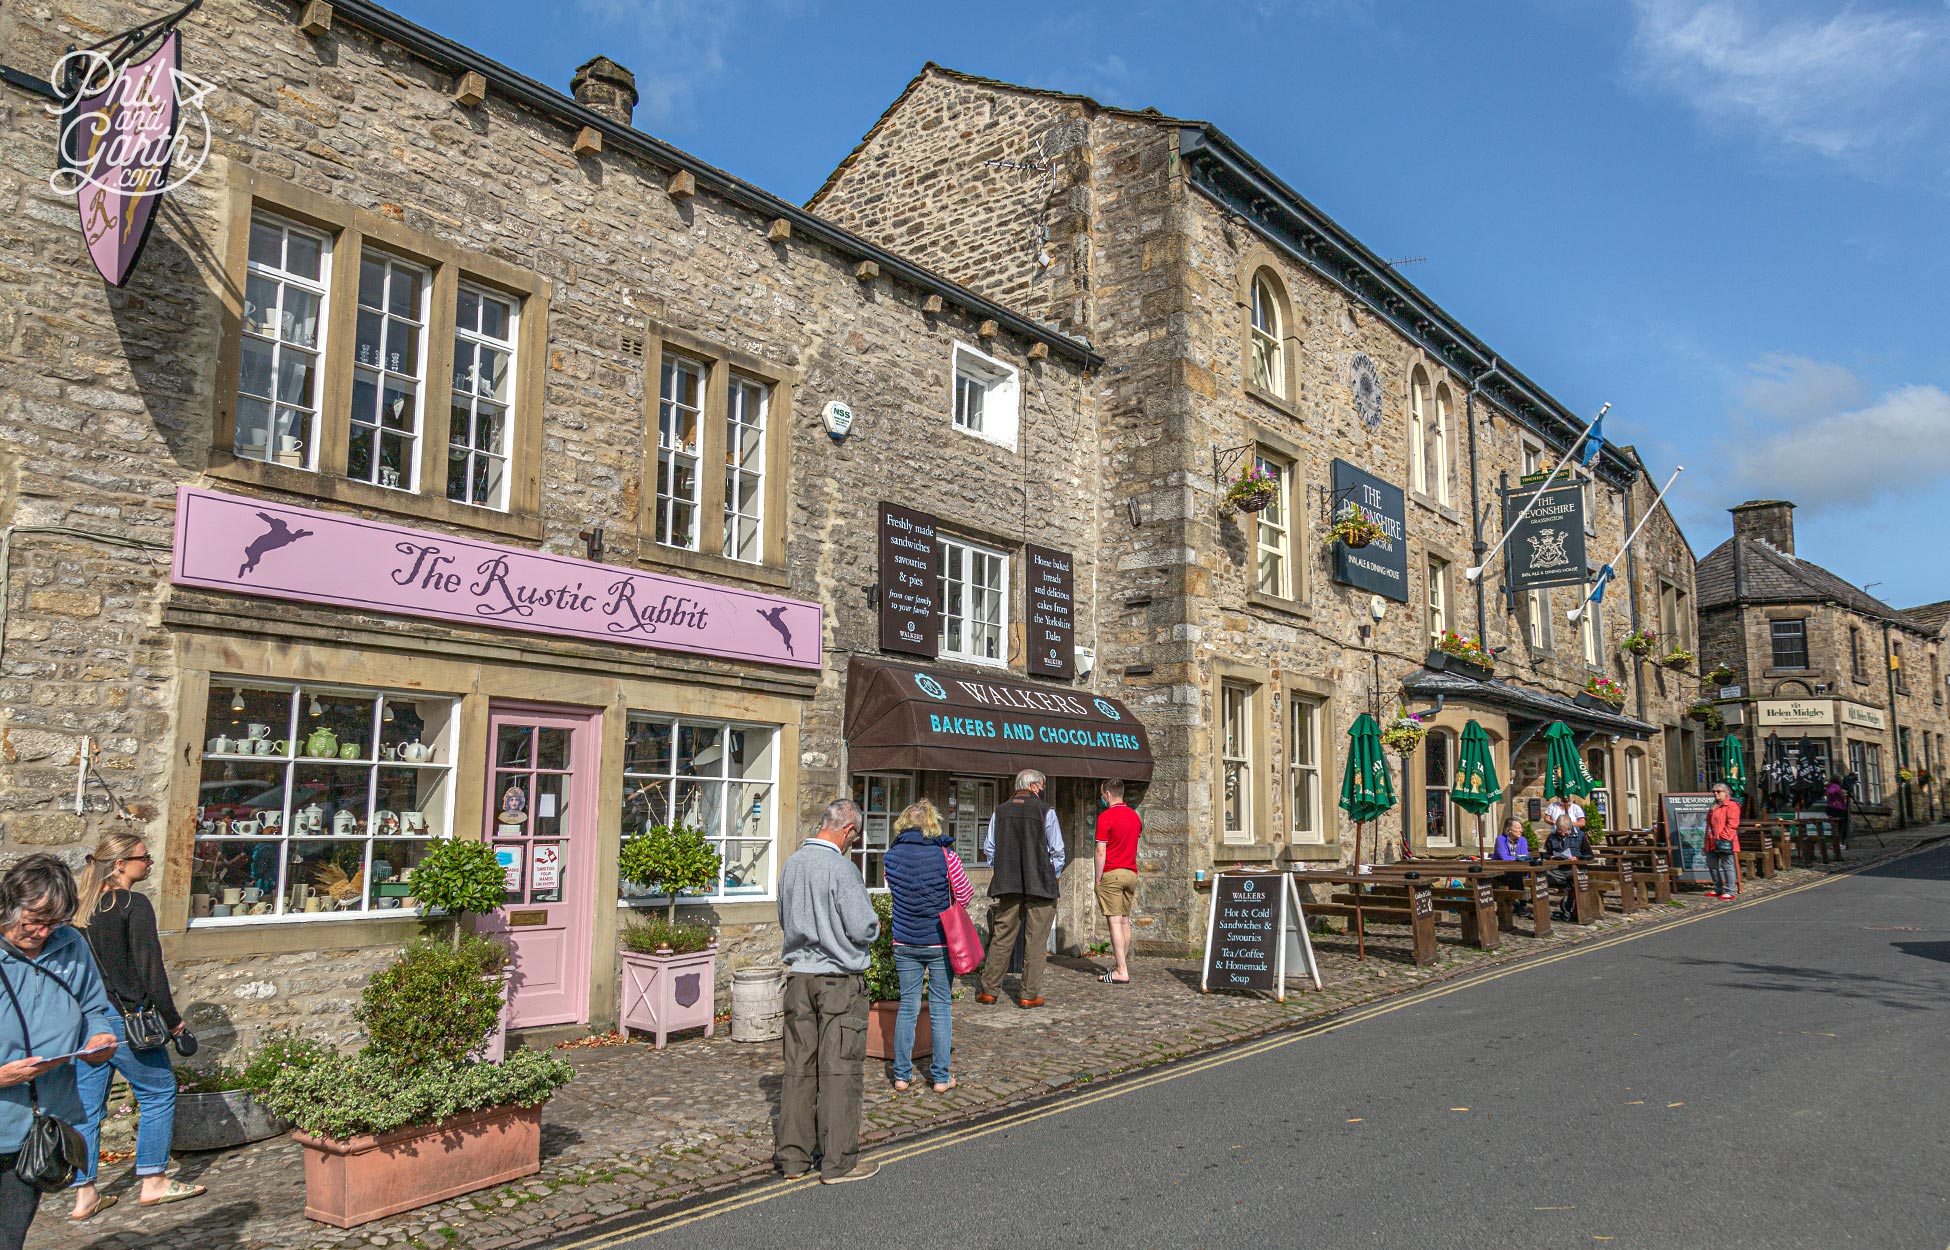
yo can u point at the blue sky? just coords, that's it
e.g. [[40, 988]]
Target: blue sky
[[1726, 217]]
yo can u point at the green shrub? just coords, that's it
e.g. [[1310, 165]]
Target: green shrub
[[883, 982], [651, 934], [435, 1004], [281, 1051], [343, 1097], [668, 860], [460, 877]]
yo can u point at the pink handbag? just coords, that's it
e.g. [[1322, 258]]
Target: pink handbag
[[965, 953]]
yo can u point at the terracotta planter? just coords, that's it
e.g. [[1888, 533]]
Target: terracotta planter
[[880, 1031], [222, 1120], [353, 1182], [665, 993], [1442, 661]]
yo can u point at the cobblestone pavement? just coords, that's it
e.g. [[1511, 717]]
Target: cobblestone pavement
[[640, 1128]]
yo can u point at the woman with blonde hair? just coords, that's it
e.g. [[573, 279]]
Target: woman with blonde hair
[[925, 877], [121, 929]]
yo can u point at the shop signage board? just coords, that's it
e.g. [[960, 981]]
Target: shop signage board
[[1685, 816], [1052, 612], [1382, 565], [1547, 547], [1789, 713], [1863, 717], [276, 551], [910, 616], [1256, 935]]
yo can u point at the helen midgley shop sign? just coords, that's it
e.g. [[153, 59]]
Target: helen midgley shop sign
[[249, 546], [1382, 565], [1816, 713]]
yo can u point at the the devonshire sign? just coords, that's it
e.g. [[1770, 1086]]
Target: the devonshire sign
[[253, 547]]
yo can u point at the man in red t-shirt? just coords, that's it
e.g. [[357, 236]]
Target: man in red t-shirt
[[1118, 828]]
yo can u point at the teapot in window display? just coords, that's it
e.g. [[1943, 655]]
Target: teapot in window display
[[323, 743], [415, 752]]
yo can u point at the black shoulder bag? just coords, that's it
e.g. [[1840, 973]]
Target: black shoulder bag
[[53, 1152]]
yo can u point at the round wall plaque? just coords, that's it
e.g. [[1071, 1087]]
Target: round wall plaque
[[838, 418]]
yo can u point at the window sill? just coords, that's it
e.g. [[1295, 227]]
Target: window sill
[[365, 496], [1436, 506], [1792, 672], [293, 934], [1256, 852], [676, 560], [1313, 852], [1285, 607], [1008, 445], [1264, 396]]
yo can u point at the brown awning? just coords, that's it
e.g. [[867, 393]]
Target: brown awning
[[902, 716]]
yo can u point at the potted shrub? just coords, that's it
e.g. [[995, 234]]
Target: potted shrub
[[217, 1108], [1405, 734], [1353, 530], [1456, 653], [668, 971], [413, 1119], [1252, 490], [462, 878], [884, 992], [1602, 692], [1639, 643], [1677, 659]]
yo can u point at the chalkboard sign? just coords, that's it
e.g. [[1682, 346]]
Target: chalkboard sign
[[909, 616], [1254, 934], [1052, 614], [1685, 821]]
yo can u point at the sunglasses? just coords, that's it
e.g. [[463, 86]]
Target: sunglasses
[[127, 859]]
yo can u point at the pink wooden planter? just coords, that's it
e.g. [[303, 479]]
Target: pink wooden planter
[[353, 1182], [665, 993]]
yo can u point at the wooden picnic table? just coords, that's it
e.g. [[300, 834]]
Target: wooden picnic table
[[1473, 901], [1403, 900], [1536, 874], [1614, 874], [1651, 869]]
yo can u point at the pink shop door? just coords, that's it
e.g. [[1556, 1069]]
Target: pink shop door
[[541, 822]]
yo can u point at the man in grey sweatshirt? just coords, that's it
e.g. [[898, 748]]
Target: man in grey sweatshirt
[[830, 927]]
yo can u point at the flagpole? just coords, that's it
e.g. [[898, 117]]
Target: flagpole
[[1473, 573], [1578, 611]]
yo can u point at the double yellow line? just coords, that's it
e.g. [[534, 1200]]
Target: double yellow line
[[1067, 1103]]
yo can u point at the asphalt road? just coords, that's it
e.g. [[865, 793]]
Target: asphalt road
[[1770, 1076]]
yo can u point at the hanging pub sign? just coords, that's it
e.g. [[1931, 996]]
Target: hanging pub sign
[[132, 127], [1547, 547], [910, 616], [1052, 612], [1382, 565]]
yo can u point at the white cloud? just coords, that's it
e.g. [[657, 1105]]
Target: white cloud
[[1807, 434], [1863, 88], [679, 45]]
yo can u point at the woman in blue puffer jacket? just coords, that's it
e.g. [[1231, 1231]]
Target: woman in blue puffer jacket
[[924, 875]]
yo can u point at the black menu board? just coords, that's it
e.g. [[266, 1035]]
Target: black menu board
[[1052, 611], [1255, 935], [909, 614]]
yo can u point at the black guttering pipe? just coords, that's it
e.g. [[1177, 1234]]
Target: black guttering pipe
[[1208, 141], [524, 90]]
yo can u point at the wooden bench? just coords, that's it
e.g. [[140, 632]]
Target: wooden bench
[[1473, 902], [1411, 904], [1614, 877]]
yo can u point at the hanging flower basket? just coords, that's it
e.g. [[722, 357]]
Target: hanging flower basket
[[1721, 675], [1707, 715], [1252, 490], [1353, 530], [1602, 692], [1905, 776], [1639, 642], [1405, 734], [1676, 659]]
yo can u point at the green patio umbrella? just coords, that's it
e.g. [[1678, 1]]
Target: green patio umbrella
[[1733, 762], [1564, 772], [1366, 788], [1476, 787]]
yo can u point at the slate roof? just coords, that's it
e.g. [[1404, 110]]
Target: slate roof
[[1522, 701], [1744, 570], [1930, 616]]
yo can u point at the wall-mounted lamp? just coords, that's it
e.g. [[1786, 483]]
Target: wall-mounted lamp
[[316, 709]]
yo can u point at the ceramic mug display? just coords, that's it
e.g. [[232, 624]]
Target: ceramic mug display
[[260, 909], [389, 752], [314, 904], [232, 896], [269, 746], [311, 819], [273, 821], [220, 909], [252, 894], [257, 731], [350, 751], [200, 905], [248, 828], [218, 745], [385, 824]]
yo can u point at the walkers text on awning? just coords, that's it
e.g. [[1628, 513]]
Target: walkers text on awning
[[900, 716]]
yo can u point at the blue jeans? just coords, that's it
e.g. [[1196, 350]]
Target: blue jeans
[[150, 1075], [912, 963]]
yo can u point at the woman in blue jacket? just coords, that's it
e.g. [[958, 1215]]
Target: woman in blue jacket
[[924, 876], [54, 1007]]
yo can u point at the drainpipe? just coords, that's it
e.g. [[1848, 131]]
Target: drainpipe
[[1476, 544], [1895, 734]]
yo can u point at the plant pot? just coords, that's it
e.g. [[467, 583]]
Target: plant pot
[[1253, 503], [667, 992], [880, 1031], [222, 1120], [353, 1182], [1585, 699], [758, 1004], [1442, 661]]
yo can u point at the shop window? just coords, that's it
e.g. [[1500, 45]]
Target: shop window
[[1438, 780], [1273, 527], [1437, 599], [279, 359], [881, 797], [1236, 729], [1303, 769], [744, 470], [1790, 640], [1268, 338], [971, 801], [987, 397], [1865, 761], [388, 354], [316, 802], [716, 776], [680, 415], [974, 585], [478, 429], [1635, 789]]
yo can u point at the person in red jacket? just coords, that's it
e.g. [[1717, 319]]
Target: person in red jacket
[[1723, 831]]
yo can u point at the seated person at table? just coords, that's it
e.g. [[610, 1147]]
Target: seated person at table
[[1512, 845], [1566, 842]]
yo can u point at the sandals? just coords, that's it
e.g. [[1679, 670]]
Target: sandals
[[102, 1203], [1108, 979], [176, 1192], [940, 1088], [901, 1087]]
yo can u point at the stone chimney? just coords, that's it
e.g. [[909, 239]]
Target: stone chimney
[[606, 87], [1770, 520]]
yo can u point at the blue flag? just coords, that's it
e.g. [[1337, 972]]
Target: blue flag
[[1594, 442], [1598, 587]]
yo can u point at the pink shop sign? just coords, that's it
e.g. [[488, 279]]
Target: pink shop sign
[[252, 547]]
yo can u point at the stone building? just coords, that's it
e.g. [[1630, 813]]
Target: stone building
[[1243, 329], [1826, 674], [460, 459]]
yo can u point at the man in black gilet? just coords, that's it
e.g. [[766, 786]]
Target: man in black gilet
[[1025, 846]]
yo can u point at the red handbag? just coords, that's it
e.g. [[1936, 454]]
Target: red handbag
[[965, 953]]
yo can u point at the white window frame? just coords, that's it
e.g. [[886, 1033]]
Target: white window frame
[[1304, 716], [1000, 417], [380, 372], [1437, 594], [660, 788], [1273, 530], [319, 288], [970, 824], [739, 420], [674, 453], [1236, 717], [1267, 343], [1635, 789], [1440, 744], [1440, 468], [877, 822], [963, 635], [477, 397]]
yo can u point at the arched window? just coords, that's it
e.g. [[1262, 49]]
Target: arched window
[[1438, 778], [1435, 447], [1418, 432], [1268, 339]]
